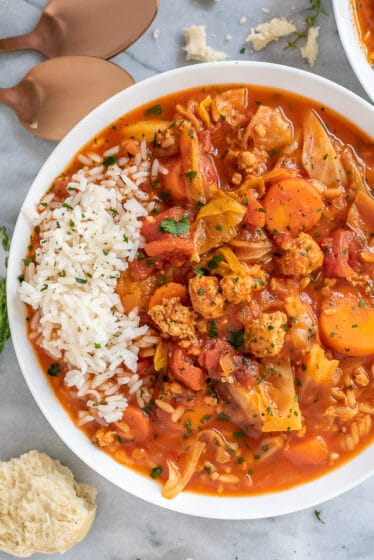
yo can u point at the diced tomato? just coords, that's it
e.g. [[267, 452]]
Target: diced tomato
[[247, 371], [61, 187], [255, 215], [211, 356], [141, 269], [209, 175], [191, 376], [205, 140], [174, 181], [338, 250]]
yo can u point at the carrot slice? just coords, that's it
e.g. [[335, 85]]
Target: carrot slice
[[170, 290], [169, 245], [292, 205], [347, 322], [309, 451], [137, 422]]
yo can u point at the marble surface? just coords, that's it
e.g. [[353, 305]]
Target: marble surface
[[127, 528]]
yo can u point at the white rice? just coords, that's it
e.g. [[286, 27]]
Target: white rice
[[86, 243]]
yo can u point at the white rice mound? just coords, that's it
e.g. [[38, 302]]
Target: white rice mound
[[85, 243]]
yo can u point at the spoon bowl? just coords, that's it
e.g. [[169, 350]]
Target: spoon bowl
[[86, 27], [58, 93]]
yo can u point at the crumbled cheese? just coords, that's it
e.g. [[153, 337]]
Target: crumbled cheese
[[196, 47], [272, 30], [228, 38], [265, 10], [310, 50], [156, 33], [243, 20]]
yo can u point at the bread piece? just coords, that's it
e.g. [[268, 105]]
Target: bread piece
[[42, 507]]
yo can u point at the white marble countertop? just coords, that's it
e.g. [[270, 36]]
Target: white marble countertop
[[127, 528]]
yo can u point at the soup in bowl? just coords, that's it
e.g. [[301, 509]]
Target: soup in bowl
[[198, 289]]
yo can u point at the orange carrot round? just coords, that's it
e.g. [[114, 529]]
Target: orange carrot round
[[170, 290], [347, 322], [137, 422], [292, 205]]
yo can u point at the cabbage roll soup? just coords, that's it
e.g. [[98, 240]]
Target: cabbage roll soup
[[199, 290]]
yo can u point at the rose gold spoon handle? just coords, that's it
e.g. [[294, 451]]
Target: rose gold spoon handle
[[99, 28], [58, 93], [20, 42]]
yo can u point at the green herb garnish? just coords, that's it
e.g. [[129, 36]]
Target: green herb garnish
[[154, 110], [155, 472], [54, 369], [175, 227]]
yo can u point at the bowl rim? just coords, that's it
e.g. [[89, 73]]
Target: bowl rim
[[308, 494], [352, 45]]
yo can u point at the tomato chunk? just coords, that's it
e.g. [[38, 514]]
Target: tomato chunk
[[191, 376]]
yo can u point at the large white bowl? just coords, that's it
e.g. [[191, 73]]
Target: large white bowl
[[352, 45], [277, 503]]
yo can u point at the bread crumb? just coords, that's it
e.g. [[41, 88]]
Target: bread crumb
[[270, 31], [156, 33], [243, 20], [196, 47], [310, 50]]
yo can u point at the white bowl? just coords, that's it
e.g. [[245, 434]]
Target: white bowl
[[352, 45], [256, 73]]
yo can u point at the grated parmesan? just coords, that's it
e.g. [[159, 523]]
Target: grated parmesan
[[270, 31], [196, 47], [310, 50]]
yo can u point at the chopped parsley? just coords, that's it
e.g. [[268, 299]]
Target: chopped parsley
[[212, 329], [54, 369], [110, 160], [236, 338], [317, 515], [81, 281], [213, 263], [155, 472], [191, 175], [154, 110], [175, 227]]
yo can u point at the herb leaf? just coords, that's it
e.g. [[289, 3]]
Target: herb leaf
[[236, 338], [54, 369], [175, 228], [317, 515], [154, 110], [155, 472]]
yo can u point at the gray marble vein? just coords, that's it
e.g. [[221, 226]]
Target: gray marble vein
[[127, 528]]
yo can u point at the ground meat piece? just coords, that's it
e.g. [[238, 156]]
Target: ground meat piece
[[174, 319], [239, 288], [300, 256], [253, 162], [266, 334], [104, 437], [206, 297]]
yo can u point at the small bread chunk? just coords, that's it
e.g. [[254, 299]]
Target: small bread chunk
[[266, 334], [42, 508]]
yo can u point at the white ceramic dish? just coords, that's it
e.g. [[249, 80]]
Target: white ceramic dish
[[309, 494], [352, 45]]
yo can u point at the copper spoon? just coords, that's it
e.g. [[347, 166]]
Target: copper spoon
[[100, 28], [57, 93]]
